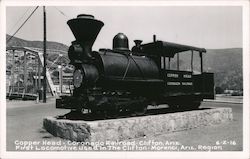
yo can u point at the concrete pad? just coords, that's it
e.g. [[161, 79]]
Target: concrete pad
[[135, 127]]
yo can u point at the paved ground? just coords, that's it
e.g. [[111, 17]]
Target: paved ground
[[24, 123], [227, 98]]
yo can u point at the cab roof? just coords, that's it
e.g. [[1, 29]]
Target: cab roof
[[167, 49]]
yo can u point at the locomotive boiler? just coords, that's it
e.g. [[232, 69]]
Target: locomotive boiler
[[120, 80]]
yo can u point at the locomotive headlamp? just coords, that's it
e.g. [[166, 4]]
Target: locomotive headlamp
[[78, 77]]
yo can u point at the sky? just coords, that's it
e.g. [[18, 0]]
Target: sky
[[210, 27]]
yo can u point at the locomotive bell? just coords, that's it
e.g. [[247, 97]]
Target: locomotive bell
[[137, 47], [120, 42]]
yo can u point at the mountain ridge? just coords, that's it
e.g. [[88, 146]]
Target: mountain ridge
[[15, 41]]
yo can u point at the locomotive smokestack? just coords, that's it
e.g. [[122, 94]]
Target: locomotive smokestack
[[85, 29]]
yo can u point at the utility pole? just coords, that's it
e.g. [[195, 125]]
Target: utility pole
[[12, 72], [39, 77], [25, 71], [60, 78], [44, 55]]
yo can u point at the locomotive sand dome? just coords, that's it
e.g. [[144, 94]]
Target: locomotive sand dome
[[117, 81], [120, 42]]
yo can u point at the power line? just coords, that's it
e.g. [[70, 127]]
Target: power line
[[19, 19], [61, 12], [22, 24]]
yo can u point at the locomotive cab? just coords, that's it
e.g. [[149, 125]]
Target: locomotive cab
[[186, 84]]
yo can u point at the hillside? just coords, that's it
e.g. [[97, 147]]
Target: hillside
[[227, 66], [225, 63], [36, 44]]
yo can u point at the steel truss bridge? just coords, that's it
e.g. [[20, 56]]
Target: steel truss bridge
[[24, 74]]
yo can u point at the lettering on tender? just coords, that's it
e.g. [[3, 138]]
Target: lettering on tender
[[187, 76], [173, 75], [173, 83]]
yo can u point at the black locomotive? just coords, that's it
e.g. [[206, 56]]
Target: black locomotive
[[112, 81]]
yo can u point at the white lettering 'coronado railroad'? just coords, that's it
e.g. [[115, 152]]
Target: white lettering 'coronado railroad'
[[173, 83], [187, 83], [179, 83]]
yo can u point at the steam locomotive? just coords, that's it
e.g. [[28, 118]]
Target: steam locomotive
[[112, 81]]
